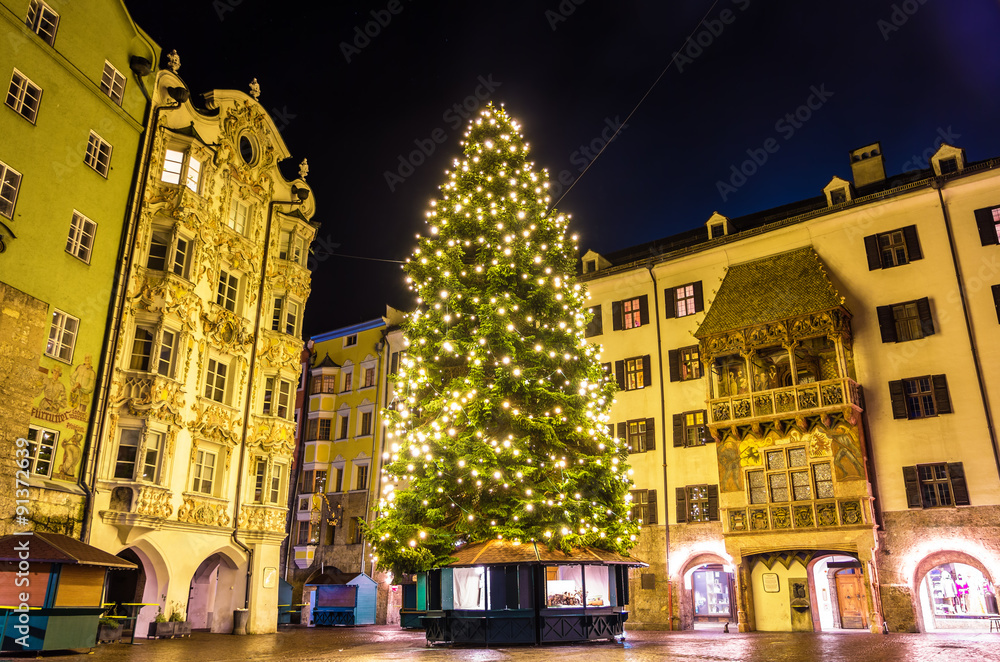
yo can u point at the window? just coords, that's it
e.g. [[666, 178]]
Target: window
[[920, 397], [630, 313], [787, 476], [277, 480], [260, 475], [228, 288], [988, 222], [41, 448], [996, 299], [154, 354], [113, 83], [308, 533], [291, 247], [684, 300], [838, 196], [313, 482], [369, 377], [936, 485], [590, 266], [324, 384], [690, 429], [351, 340], [344, 422], [685, 364], [347, 380], [62, 336], [910, 320], [174, 170], [215, 380], [356, 533], [23, 96], [130, 445], [168, 252], [643, 508], [362, 477], [286, 316], [595, 326], [892, 249], [948, 166], [10, 182], [366, 423], [203, 472], [98, 154], [238, 212], [698, 503], [277, 397], [80, 241], [639, 435], [633, 373], [43, 21], [717, 230], [319, 429]]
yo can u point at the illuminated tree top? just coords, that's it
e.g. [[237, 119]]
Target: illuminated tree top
[[501, 426]]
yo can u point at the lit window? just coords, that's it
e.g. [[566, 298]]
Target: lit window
[[693, 431], [154, 351], [995, 213], [308, 533], [697, 503], [62, 336], [130, 446], [41, 448], [113, 83], [291, 247], [43, 21], [80, 241], [684, 298], [23, 96], [215, 380], [10, 182], [291, 318], [203, 472], [174, 169], [98, 154], [631, 317], [636, 431], [787, 476], [643, 509], [634, 373], [238, 212]]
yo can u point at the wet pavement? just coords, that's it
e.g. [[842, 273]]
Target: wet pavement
[[390, 643]]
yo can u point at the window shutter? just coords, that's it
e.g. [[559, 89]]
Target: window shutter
[[898, 399], [682, 506], [706, 436], [912, 243], [956, 473], [987, 227], [871, 248], [647, 372], [623, 431], [678, 430], [699, 301], [669, 303], [886, 323], [674, 358], [616, 315], [926, 319], [644, 310], [620, 374], [996, 300], [912, 483], [651, 496], [941, 398], [650, 435], [713, 503], [611, 430]]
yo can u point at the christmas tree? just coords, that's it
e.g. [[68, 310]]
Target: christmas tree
[[500, 429]]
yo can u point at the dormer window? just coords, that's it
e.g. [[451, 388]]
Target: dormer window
[[949, 166], [590, 266], [717, 230], [838, 196], [717, 226]]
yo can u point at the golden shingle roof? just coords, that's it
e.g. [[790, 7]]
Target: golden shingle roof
[[505, 552]]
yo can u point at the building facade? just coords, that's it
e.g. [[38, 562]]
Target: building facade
[[341, 450], [808, 394], [197, 428], [75, 110]]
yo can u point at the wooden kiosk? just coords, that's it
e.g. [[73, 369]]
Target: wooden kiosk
[[65, 590], [499, 592]]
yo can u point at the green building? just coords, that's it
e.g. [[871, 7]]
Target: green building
[[78, 81]]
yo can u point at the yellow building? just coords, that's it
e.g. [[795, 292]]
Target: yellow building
[[197, 432], [808, 393], [341, 449]]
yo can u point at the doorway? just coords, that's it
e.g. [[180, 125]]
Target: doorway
[[838, 591], [211, 595], [712, 595]]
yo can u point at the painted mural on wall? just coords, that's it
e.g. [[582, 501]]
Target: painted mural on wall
[[62, 404], [841, 443]]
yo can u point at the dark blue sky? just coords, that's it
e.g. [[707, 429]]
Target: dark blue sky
[[903, 73]]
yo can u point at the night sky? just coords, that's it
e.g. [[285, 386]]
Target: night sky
[[908, 74]]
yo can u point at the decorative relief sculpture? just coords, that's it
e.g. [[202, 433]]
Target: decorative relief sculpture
[[216, 423], [153, 502], [262, 518], [196, 511]]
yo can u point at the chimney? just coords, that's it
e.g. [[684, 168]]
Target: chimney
[[867, 165]]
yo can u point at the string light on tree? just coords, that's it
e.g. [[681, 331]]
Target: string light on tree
[[502, 427]]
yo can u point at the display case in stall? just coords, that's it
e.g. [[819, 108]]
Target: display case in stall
[[64, 588], [499, 592]]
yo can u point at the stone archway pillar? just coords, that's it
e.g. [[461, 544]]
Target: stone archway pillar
[[744, 594], [872, 602]]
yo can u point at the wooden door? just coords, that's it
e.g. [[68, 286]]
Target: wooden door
[[851, 598]]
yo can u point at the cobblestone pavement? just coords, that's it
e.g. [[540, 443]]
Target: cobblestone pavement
[[390, 643]]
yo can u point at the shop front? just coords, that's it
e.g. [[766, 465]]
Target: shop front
[[957, 596], [712, 595]]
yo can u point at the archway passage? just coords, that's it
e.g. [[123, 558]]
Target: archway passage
[[128, 587], [837, 589], [957, 596], [210, 596], [713, 596]]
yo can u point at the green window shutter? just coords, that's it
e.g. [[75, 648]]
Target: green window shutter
[[682, 507], [650, 435], [941, 398], [898, 398], [871, 250], [713, 503], [912, 243], [620, 374], [674, 357], [886, 323], [616, 315], [987, 226], [669, 303], [926, 319], [644, 310], [699, 299], [678, 430], [956, 473], [647, 372], [912, 483], [652, 506]]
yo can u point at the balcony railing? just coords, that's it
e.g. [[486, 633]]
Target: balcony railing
[[779, 402]]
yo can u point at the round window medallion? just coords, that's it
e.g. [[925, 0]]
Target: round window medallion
[[247, 151]]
